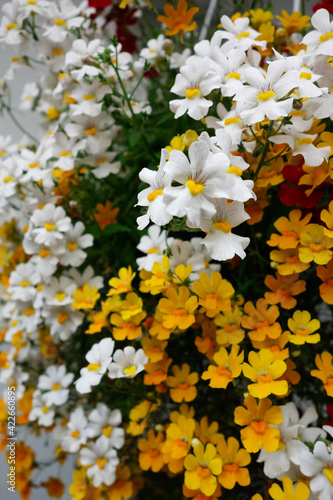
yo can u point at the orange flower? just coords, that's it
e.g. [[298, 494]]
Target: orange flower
[[176, 447], [85, 297], [153, 348], [295, 22], [260, 320], [327, 217], [178, 21], [229, 367], [325, 371], [258, 419], [139, 416], [150, 448], [123, 283], [25, 405], [283, 289], [214, 293], [234, 461], [156, 372], [290, 230], [105, 215], [207, 432], [122, 488], [206, 344], [326, 275], [182, 383], [25, 457], [127, 329], [288, 262], [264, 372], [315, 176], [315, 246], [255, 208], [271, 174], [276, 346], [178, 308], [157, 329], [55, 487]]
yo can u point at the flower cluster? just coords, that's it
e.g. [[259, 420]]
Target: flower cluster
[[149, 353]]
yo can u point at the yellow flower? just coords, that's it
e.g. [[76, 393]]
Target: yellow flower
[[326, 275], [301, 492], [234, 461], [182, 383], [123, 283], [85, 297], [153, 348], [325, 372], [202, 469], [229, 367], [260, 320], [288, 262], [315, 246], [327, 217], [158, 280], [129, 329], [176, 447], [156, 372], [293, 23], [150, 448], [264, 372], [131, 306], [122, 488], [178, 21], [214, 293], [230, 323], [258, 419], [178, 308], [259, 16], [302, 327], [207, 432], [139, 416]]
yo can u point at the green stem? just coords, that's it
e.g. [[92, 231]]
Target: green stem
[[277, 156], [17, 123], [255, 136], [266, 148]]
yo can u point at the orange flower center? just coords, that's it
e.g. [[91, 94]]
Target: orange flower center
[[183, 386], [302, 331], [222, 371], [203, 472], [230, 467], [181, 444], [154, 453], [316, 247], [179, 312], [259, 427], [264, 379]]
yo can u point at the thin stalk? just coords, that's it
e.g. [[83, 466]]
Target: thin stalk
[[266, 148], [17, 123]]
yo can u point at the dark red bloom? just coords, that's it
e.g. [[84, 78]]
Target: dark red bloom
[[329, 408], [294, 194], [325, 4], [99, 4]]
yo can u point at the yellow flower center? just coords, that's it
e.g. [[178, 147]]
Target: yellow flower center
[[203, 472], [15, 59], [65, 153], [236, 76], [305, 75], [265, 379], [328, 472], [235, 170], [191, 93], [31, 2], [152, 250], [44, 252], [8, 179], [325, 37], [195, 187], [71, 246], [91, 131], [62, 318], [57, 52], [265, 96], [53, 114], [45, 409], [75, 434], [60, 76], [152, 196], [101, 160], [305, 140], [107, 431], [245, 34], [87, 97], [34, 164], [94, 367], [59, 22], [25, 283], [223, 226], [101, 462], [49, 227], [11, 26], [60, 296], [259, 427], [55, 387], [316, 247], [230, 121], [130, 370]]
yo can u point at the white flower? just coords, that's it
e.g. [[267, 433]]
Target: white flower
[[194, 82], [220, 242], [75, 242], [90, 132], [99, 358], [59, 292], [153, 245], [239, 34], [101, 460], [230, 121], [302, 144], [154, 50], [88, 276], [80, 57], [105, 421], [55, 382], [22, 282], [178, 59], [318, 466], [127, 363], [63, 16], [29, 94], [63, 322], [201, 179], [153, 196], [77, 431], [10, 29], [88, 98], [49, 224], [102, 164], [320, 40], [40, 412], [262, 97]]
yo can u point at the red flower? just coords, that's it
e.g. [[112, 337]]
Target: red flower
[[329, 408], [325, 4], [99, 4], [291, 195]]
